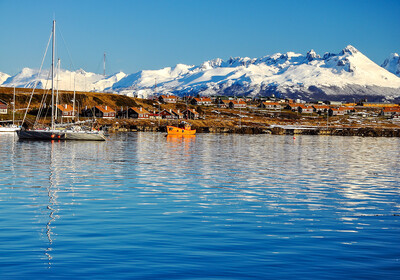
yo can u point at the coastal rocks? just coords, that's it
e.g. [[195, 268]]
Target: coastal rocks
[[274, 130], [363, 132], [237, 130]]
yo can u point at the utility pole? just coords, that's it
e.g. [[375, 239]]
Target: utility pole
[[104, 64], [155, 86], [327, 118]]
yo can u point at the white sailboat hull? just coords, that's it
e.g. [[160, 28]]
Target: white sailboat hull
[[12, 128]]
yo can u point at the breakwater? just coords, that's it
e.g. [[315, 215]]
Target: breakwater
[[276, 130]]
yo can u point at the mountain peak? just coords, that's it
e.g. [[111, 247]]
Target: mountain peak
[[392, 64], [3, 77], [350, 50], [311, 55], [211, 63]]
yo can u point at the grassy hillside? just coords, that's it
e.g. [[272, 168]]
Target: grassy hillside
[[65, 97]]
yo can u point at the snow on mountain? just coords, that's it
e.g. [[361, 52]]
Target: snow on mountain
[[108, 82], [295, 75], [149, 78], [346, 75], [392, 64], [64, 80], [3, 77]]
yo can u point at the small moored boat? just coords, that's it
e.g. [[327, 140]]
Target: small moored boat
[[182, 129], [9, 128]]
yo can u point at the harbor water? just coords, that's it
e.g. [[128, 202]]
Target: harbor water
[[211, 206]]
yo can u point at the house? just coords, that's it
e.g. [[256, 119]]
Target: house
[[3, 107], [320, 109], [206, 101], [168, 98], [305, 109], [337, 111], [190, 114], [349, 110], [234, 104], [138, 113], [390, 111], [293, 107], [177, 114], [271, 105], [223, 103], [65, 111], [155, 116], [167, 114], [104, 112]]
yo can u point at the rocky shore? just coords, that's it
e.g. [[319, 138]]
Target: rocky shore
[[154, 126]]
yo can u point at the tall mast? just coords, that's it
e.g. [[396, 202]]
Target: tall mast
[[58, 80], [52, 74], [73, 104], [14, 106]]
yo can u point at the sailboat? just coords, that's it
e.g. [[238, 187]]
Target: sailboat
[[51, 133], [11, 127]]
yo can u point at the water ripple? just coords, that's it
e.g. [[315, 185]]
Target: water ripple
[[143, 205]]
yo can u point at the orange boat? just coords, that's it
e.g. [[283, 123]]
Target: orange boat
[[182, 129]]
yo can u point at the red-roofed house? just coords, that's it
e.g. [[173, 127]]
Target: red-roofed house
[[390, 111], [104, 112], [237, 104], [138, 113], [168, 98], [293, 107], [65, 111], [320, 109], [223, 103], [271, 105], [3, 107], [206, 101], [167, 114], [337, 111], [304, 109], [190, 114], [177, 113]]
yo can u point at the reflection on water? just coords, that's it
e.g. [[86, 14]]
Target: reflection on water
[[143, 205]]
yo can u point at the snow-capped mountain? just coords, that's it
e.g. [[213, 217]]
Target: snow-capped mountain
[[347, 75], [64, 79], [392, 64], [3, 77]]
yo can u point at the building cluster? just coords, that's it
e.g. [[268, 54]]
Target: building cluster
[[271, 104], [106, 112], [332, 108]]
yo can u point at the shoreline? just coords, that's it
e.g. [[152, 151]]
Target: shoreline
[[212, 119], [133, 126]]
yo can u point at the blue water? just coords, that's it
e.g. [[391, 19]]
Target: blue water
[[144, 206]]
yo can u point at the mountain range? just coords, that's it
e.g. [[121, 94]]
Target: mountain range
[[348, 75]]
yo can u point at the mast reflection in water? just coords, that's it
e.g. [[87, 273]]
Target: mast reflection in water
[[52, 194]]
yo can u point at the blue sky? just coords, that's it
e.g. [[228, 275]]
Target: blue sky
[[152, 34]]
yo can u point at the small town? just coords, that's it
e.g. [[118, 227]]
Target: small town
[[221, 114]]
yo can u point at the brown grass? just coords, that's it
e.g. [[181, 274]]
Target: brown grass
[[225, 118]]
